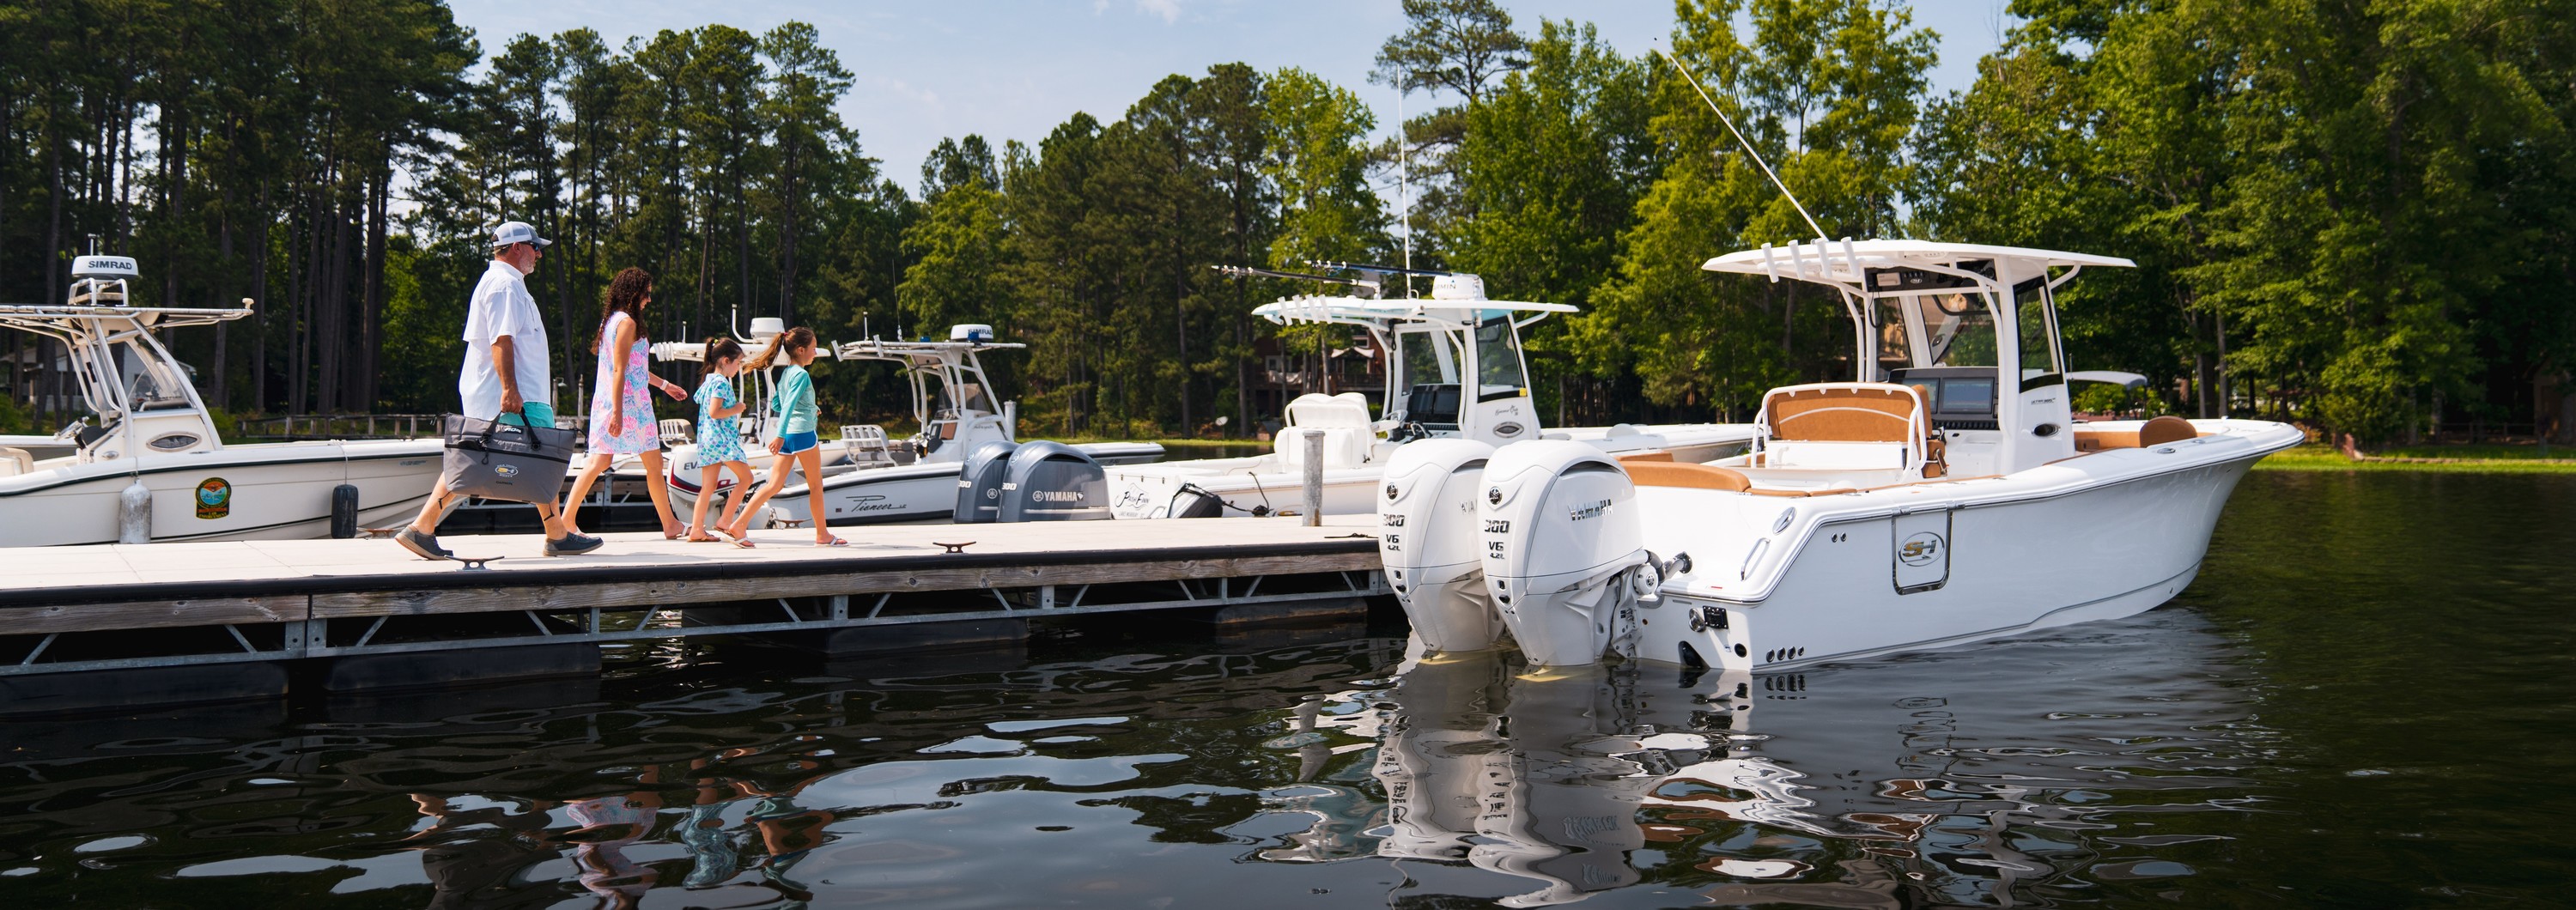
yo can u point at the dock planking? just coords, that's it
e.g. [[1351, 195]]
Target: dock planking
[[193, 584], [118, 614]]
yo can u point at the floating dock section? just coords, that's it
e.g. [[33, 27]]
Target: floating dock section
[[89, 628]]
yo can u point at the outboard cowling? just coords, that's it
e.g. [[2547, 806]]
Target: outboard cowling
[[1051, 481], [1428, 543], [979, 483], [1561, 542]]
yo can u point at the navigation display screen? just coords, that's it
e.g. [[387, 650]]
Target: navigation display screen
[[1964, 397]]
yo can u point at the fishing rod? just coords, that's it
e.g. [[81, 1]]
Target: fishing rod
[[1739, 138]]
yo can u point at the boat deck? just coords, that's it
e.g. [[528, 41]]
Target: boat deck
[[106, 607]]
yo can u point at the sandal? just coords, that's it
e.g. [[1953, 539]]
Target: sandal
[[834, 542]]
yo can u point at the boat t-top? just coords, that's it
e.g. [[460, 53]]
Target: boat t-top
[[1454, 371], [872, 478], [1947, 494], [154, 467]]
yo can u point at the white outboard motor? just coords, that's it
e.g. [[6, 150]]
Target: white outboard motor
[[1428, 543], [1051, 481], [1561, 544], [979, 483]]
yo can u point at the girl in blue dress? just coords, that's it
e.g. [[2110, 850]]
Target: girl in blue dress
[[719, 440]]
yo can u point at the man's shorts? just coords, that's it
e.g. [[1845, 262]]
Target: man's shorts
[[541, 412]]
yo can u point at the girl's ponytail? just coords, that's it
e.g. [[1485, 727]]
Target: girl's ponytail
[[720, 349], [795, 339]]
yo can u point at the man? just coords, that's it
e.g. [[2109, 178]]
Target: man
[[505, 361]]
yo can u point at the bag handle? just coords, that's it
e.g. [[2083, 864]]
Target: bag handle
[[525, 421]]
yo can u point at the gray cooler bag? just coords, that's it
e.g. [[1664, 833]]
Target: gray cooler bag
[[505, 461]]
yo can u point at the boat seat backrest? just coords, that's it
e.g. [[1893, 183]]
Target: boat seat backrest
[[1344, 447], [1685, 475], [866, 442], [674, 431], [2156, 432], [1846, 412], [1348, 409]]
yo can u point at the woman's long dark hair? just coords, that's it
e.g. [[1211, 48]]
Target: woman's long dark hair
[[625, 295], [718, 350], [795, 339]]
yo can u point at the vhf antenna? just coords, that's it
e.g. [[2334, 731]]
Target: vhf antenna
[[1739, 138]]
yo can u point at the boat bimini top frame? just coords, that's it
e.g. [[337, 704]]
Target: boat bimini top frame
[[1438, 348], [144, 400], [949, 385], [1916, 309]]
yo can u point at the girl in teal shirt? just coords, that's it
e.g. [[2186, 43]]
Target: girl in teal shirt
[[795, 443]]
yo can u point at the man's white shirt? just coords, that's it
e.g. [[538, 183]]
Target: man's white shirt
[[501, 308]]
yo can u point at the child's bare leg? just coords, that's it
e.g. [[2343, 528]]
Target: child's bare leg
[[706, 494], [742, 488], [810, 461]]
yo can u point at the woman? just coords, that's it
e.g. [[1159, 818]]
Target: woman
[[621, 404]]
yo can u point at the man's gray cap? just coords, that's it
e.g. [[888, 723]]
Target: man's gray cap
[[517, 232]]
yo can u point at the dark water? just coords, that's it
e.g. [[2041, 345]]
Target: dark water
[[2365, 701]]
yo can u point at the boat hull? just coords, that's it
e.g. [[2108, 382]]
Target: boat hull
[[254, 492], [1936, 565]]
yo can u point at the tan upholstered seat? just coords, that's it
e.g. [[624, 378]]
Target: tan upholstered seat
[[2160, 431], [1657, 455], [1845, 412], [1683, 474]]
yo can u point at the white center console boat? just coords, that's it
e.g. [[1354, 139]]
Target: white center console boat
[[1455, 371], [1947, 496], [153, 467]]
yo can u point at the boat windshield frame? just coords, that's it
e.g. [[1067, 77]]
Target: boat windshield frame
[[93, 336], [939, 372]]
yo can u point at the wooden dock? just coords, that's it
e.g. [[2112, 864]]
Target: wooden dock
[[86, 609]]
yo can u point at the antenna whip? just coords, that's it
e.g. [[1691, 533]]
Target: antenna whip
[[1740, 140]]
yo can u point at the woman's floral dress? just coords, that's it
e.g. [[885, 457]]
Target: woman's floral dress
[[637, 432]]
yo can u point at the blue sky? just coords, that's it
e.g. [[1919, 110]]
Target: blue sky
[[1013, 70]]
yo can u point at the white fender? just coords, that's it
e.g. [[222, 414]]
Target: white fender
[[1428, 542], [1560, 535]]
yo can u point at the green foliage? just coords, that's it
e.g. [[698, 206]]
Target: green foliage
[[2355, 215]]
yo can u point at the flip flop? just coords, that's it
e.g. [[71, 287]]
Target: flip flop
[[706, 540], [739, 540], [834, 542]]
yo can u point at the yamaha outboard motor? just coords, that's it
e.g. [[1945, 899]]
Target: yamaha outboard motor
[[979, 483], [1051, 481], [1428, 542], [1563, 550]]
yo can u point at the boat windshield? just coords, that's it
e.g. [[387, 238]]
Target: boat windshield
[[2036, 319], [152, 382], [1428, 355], [1958, 329], [1498, 358]]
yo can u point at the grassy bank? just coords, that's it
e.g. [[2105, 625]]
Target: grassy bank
[[2482, 459]]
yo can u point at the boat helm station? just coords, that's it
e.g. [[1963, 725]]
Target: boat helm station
[[1455, 367]]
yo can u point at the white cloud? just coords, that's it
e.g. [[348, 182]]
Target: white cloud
[[1170, 10]]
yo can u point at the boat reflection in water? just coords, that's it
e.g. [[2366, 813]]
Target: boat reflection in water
[[1970, 776], [2099, 760]]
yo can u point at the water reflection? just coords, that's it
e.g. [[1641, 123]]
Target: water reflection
[[2106, 758], [2017, 770]]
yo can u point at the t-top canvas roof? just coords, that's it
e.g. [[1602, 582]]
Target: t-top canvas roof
[[1842, 262], [1365, 311]]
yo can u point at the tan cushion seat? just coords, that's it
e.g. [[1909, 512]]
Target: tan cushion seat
[[1686, 475]]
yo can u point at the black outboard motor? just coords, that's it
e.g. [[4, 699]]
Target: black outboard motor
[[979, 483], [1051, 481]]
